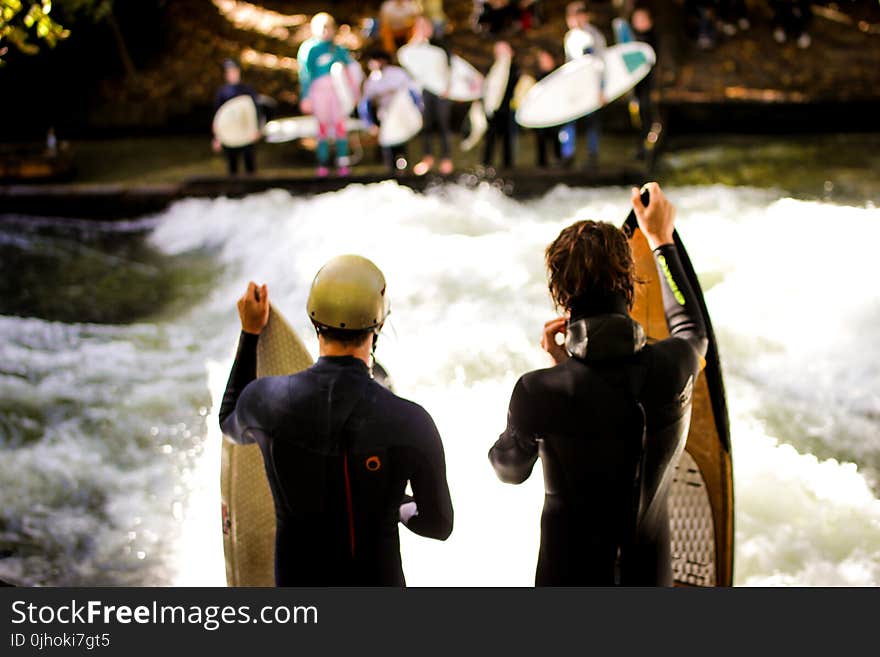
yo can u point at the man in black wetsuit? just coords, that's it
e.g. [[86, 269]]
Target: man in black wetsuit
[[643, 30], [339, 448], [610, 420], [502, 123], [232, 88]]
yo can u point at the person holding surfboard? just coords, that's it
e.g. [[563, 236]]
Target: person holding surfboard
[[381, 87], [319, 94], [501, 117], [610, 419], [233, 88], [339, 448], [643, 30], [582, 39], [435, 107], [545, 64]]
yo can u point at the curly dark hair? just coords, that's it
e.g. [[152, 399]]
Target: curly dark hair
[[590, 256]]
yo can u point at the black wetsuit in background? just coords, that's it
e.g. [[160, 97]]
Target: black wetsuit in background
[[643, 90], [339, 450], [225, 93], [435, 114], [584, 419], [545, 137], [502, 123]]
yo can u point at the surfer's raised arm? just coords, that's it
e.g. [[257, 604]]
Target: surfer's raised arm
[[253, 310], [657, 222]]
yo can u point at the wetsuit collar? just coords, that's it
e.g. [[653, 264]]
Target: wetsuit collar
[[598, 302], [342, 361], [600, 328]]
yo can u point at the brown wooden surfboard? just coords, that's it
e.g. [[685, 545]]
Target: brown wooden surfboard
[[701, 498], [247, 506]]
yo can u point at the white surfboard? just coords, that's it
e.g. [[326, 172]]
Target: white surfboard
[[237, 123], [626, 64], [479, 126], [401, 121], [290, 128], [345, 87], [569, 92], [432, 70], [573, 90], [495, 85]]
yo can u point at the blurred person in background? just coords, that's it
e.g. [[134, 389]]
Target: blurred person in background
[[545, 138], [583, 38], [381, 86], [318, 96], [435, 108], [502, 124], [396, 21], [232, 88], [643, 30]]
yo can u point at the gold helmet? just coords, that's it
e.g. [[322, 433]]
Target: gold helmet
[[348, 293]]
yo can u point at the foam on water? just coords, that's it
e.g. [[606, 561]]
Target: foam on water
[[785, 283]]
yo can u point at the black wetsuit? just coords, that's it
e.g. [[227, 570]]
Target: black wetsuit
[[339, 450], [647, 115], [603, 523], [502, 124], [545, 137], [225, 93], [436, 112]]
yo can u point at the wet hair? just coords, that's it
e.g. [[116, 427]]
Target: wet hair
[[345, 337], [590, 257]]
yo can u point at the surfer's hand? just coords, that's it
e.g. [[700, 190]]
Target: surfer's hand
[[548, 340], [253, 308], [657, 221]]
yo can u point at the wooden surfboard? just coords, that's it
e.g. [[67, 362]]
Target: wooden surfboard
[[701, 497], [247, 506]]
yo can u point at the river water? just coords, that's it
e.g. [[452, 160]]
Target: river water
[[116, 339]]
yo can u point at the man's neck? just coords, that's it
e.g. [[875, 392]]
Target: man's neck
[[330, 348]]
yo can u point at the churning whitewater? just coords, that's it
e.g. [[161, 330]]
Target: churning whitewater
[[110, 430]]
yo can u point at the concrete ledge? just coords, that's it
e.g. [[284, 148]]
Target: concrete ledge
[[108, 202]]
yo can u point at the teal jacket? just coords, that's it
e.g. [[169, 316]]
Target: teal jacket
[[315, 57]]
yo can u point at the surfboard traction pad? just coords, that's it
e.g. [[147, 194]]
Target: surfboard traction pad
[[701, 495], [248, 511]]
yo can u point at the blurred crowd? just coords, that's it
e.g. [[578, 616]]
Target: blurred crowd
[[376, 78], [790, 20]]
